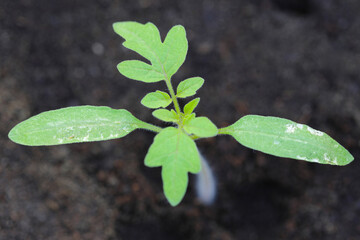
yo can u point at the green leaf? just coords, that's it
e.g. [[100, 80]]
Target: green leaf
[[165, 58], [166, 115], [201, 126], [140, 71], [73, 125], [141, 38], [190, 106], [189, 87], [285, 138], [156, 99], [176, 153], [175, 50], [189, 117]]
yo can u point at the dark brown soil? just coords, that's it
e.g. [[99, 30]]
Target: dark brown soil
[[289, 58]]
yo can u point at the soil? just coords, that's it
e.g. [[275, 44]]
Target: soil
[[288, 58]]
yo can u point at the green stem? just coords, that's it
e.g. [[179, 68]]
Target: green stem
[[173, 96], [223, 131], [148, 126], [194, 137]]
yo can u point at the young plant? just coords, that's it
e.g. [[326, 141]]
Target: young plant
[[174, 147]]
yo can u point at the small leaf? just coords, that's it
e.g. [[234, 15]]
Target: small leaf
[[190, 106], [189, 117], [139, 71], [166, 115], [189, 87], [201, 126], [73, 125], [166, 58], [177, 154], [156, 99], [285, 138], [175, 47]]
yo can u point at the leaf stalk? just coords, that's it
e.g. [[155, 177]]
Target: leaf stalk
[[150, 127]]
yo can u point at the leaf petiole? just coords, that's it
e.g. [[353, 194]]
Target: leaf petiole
[[222, 131], [150, 127]]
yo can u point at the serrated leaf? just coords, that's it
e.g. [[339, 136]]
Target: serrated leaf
[[156, 99], [166, 58], [190, 106], [189, 86], [141, 38], [285, 138], [176, 153], [166, 115], [73, 125], [201, 126], [139, 71]]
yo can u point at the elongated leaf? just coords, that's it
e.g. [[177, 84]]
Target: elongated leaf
[[177, 154], [285, 138], [201, 126], [140, 71], [189, 86], [190, 106], [166, 58], [73, 125], [166, 115], [175, 49], [156, 99]]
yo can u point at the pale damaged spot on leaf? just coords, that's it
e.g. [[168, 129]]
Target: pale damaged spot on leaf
[[302, 158], [316, 160], [329, 160], [314, 132], [290, 128]]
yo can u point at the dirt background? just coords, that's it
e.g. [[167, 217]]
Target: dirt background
[[288, 58]]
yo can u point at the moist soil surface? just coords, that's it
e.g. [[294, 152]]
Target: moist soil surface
[[289, 58]]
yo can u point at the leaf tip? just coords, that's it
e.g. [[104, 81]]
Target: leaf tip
[[18, 136], [12, 135], [347, 159], [174, 202], [114, 26]]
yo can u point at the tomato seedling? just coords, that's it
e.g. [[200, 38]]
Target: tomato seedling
[[173, 148]]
